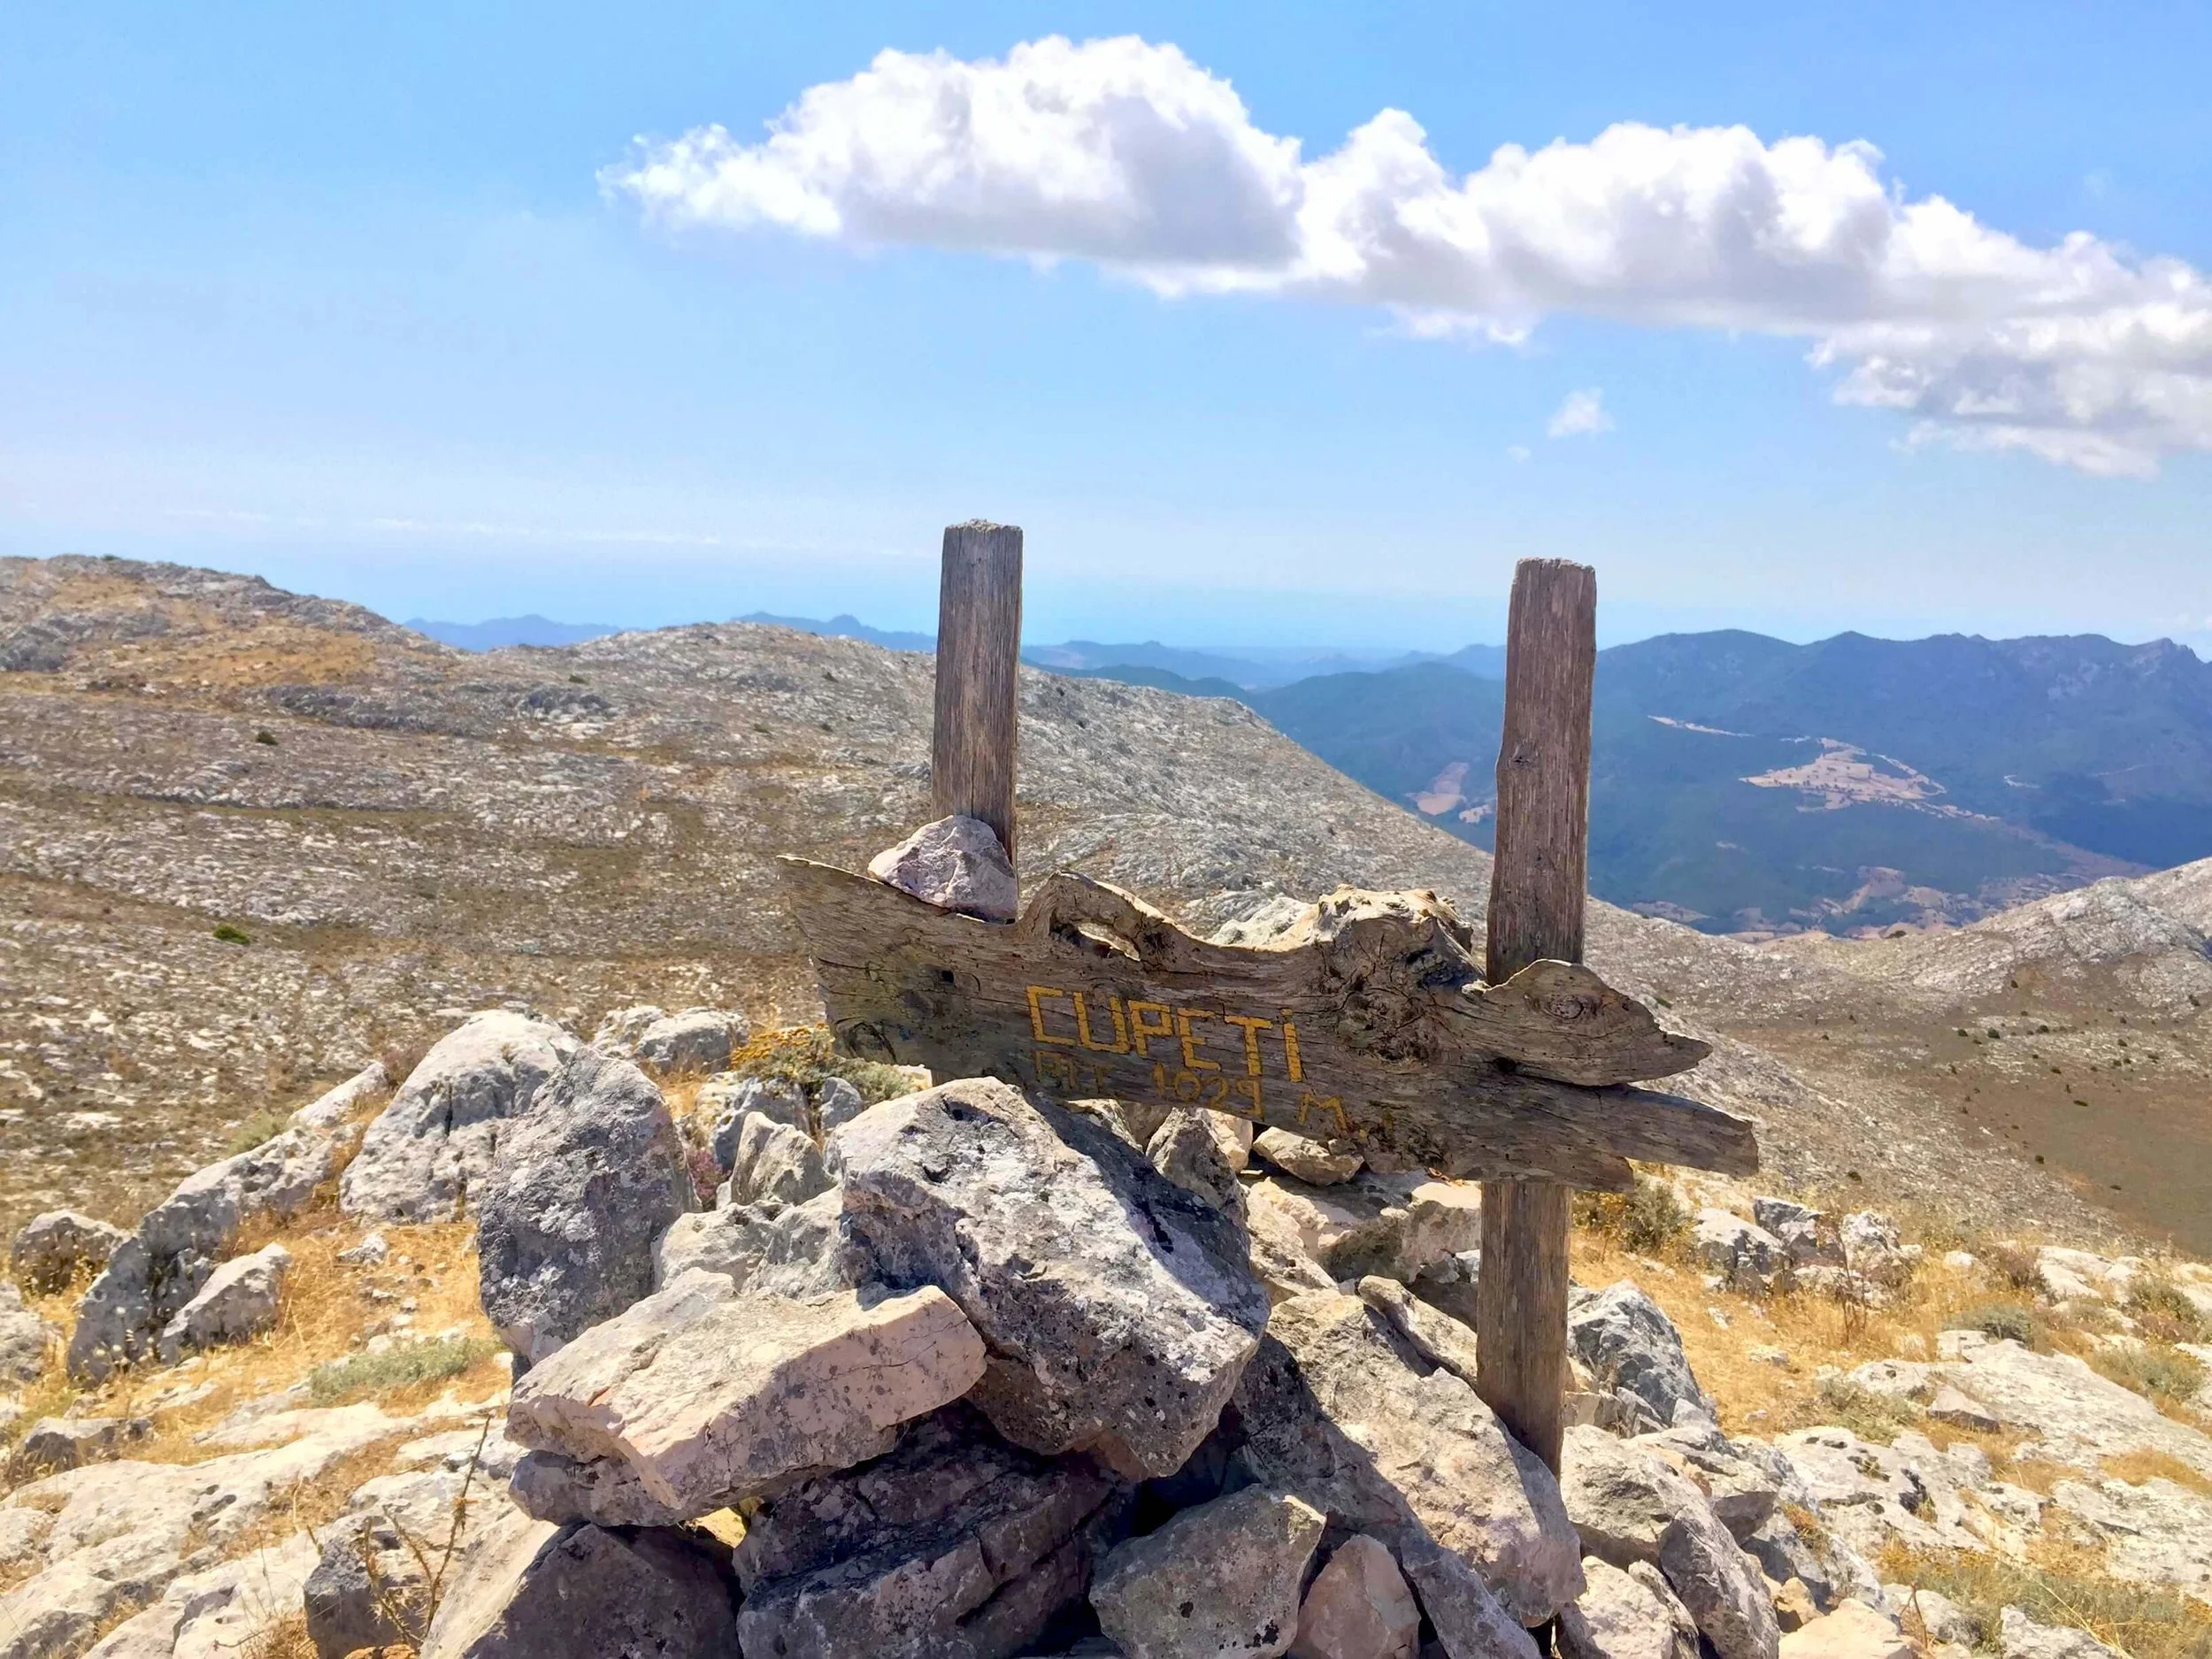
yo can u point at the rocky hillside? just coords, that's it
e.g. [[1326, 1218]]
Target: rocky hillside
[[681, 1343], [254, 839]]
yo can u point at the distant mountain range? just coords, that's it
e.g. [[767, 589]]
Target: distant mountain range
[[500, 631], [1744, 784]]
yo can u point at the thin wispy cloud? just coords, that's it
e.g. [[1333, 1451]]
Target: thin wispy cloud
[[1127, 154], [1582, 416]]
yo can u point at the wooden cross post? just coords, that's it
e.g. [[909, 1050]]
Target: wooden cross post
[[979, 663], [1536, 903]]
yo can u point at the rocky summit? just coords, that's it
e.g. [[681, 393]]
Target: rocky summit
[[565, 1324]]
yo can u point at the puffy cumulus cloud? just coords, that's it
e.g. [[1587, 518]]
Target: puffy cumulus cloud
[[1581, 416], [1127, 154]]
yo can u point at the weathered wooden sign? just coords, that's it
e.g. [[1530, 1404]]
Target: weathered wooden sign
[[1368, 1025]]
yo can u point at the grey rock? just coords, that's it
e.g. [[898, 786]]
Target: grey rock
[[1629, 1344], [1873, 1249], [56, 1444], [1907, 1492], [25, 1338], [427, 1152], [586, 1593], [2020, 1636], [2156, 1532], [1117, 1310], [367, 1590], [1339, 1409], [179, 1243], [1807, 1235], [2079, 1417], [372, 1252], [1219, 1580], [1451, 1285], [695, 1040], [729, 1102], [1629, 1506], [709, 1394], [618, 1032], [1744, 1480], [581, 1186], [1625, 1616], [956, 863], [1392, 1225], [335, 1108], [1746, 1256], [1186, 1150], [786, 1249], [1939, 1617], [1305, 1159], [52, 1249], [837, 1102], [1469, 1621], [1429, 1331], [239, 1300], [954, 1543], [1358, 1606], [605, 1491], [775, 1163], [217, 1611]]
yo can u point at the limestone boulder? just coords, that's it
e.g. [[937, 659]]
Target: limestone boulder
[[1626, 1615], [1629, 1344], [1853, 1630], [52, 1249], [775, 1163], [2078, 1416], [2157, 1532], [368, 1589], [957, 864], [1117, 1310], [2020, 1636], [837, 1102], [152, 1274], [1630, 1505], [956, 1542], [1874, 1249], [1337, 1410], [581, 1186], [618, 1032], [1394, 1225], [1745, 1255], [1304, 1159], [240, 1299], [1469, 1621], [1358, 1606], [698, 1039], [428, 1152], [1216, 1580], [1808, 1235], [709, 1394], [727, 1103], [54, 1444], [1187, 1151], [584, 1592], [787, 1250], [25, 1338]]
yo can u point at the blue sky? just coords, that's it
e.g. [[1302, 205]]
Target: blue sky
[[357, 298]]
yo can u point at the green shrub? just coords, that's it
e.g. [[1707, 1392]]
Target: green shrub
[[264, 1125], [1649, 1219], [2154, 1370], [807, 1056], [2166, 1315], [1870, 1415], [395, 1368], [2147, 1621], [2015, 1320], [231, 935]]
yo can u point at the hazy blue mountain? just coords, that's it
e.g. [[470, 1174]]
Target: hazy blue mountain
[[1162, 679], [1257, 667], [530, 630], [1740, 782]]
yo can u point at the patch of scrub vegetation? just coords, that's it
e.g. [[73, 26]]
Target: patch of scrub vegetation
[[264, 1126], [808, 1056], [407, 1365], [2165, 1376], [1649, 1220], [2068, 1588]]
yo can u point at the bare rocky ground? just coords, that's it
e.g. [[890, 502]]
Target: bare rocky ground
[[425, 833]]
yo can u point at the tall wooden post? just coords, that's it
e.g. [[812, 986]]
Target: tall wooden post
[[979, 660], [1536, 902]]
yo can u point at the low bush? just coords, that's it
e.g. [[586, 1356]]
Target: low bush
[[1870, 1415], [1650, 1220], [2015, 1320], [2065, 1590], [2159, 1372], [808, 1056], [2166, 1315], [264, 1125], [404, 1366]]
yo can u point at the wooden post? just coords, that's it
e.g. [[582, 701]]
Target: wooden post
[[979, 660], [1536, 903]]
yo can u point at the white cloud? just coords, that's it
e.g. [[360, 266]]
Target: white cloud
[[1517, 452], [1582, 416], [1127, 154]]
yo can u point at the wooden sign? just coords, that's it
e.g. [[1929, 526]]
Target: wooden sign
[[1367, 1025]]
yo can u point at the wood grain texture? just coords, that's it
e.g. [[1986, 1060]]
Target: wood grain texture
[[1366, 1025], [1537, 883], [976, 738]]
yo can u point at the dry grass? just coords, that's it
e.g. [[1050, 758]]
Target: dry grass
[[2060, 1586], [2166, 1377], [2135, 1468]]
